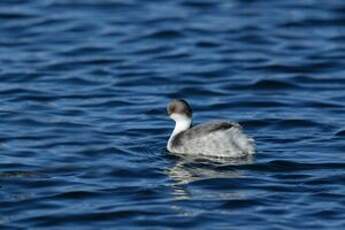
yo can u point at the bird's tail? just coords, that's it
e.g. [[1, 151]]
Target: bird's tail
[[242, 141]]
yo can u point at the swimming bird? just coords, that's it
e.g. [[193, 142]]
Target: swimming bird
[[216, 139]]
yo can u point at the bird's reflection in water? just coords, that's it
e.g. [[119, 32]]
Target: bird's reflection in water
[[189, 169]]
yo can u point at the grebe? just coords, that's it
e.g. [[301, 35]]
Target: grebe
[[218, 139]]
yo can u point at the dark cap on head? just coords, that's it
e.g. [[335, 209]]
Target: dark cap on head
[[179, 106]]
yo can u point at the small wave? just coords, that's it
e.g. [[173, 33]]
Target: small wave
[[164, 34], [208, 44], [273, 85], [8, 15], [299, 123], [199, 4], [18, 174], [289, 166], [340, 133]]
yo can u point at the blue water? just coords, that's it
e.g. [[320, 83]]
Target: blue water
[[83, 90]]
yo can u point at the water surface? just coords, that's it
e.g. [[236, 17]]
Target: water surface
[[83, 90]]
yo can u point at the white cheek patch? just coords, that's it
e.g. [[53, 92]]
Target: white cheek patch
[[178, 117]]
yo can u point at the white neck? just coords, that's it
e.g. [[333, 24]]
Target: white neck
[[182, 123]]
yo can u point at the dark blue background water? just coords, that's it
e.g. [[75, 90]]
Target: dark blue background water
[[83, 90]]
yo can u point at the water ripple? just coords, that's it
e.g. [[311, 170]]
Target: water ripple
[[84, 86]]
